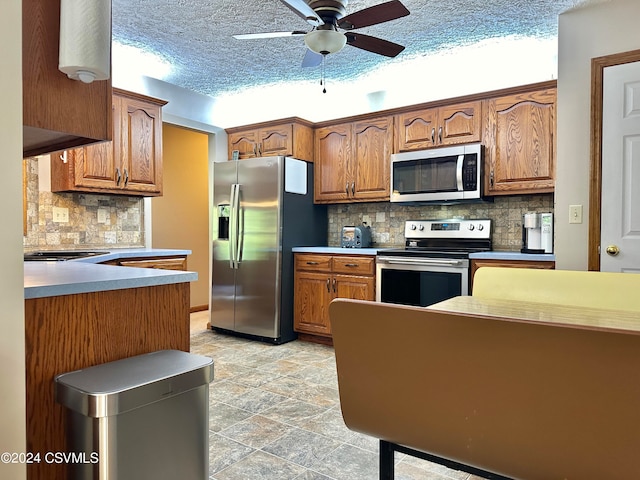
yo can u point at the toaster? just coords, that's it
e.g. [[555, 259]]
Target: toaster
[[356, 237]]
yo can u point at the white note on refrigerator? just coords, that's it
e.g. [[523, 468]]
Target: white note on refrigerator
[[295, 176]]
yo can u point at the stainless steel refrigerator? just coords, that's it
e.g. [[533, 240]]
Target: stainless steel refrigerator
[[262, 207]]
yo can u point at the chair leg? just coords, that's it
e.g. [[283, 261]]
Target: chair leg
[[386, 461]]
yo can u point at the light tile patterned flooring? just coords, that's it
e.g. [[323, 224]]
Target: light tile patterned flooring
[[274, 414]]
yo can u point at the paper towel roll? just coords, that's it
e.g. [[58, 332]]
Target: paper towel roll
[[85, 39]]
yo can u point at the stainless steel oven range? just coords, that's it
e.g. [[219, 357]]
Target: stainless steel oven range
[[434, 265]]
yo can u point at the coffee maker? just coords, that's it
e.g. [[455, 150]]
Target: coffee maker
[[537, 233]]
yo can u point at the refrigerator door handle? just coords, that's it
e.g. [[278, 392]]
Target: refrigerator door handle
[[240, 241], [231, 224], [233, 227]]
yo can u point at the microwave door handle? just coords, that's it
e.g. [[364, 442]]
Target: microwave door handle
[[459, 172]]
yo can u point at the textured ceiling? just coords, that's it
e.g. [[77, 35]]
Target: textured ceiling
[[195, 37]]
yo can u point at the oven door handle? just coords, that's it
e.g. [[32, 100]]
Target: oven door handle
[[420, 261]]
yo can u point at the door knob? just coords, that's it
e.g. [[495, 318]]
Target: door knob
[[613, 250]]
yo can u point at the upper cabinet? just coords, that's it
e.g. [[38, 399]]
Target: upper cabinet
[[58, 112], [130, 165], [289, 137], [520, 150], [515, 125], [332, 169], [352, 161], [434, 127]]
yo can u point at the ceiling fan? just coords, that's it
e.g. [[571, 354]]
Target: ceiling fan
[[327, 17]]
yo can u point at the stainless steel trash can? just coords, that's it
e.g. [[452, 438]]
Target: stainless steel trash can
[[140, 417]]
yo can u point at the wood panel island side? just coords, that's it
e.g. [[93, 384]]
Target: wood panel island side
[[78, 315]]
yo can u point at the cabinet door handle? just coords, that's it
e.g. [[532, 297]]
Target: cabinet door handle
[[440, 134], [118, 176], [433, 135], [346, 188], [353, 188], [312, 263], [126, 177], [334, 286], [491, 179], [329, 285], [260, 149]]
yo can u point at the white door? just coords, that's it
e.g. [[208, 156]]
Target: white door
[[620, 223]]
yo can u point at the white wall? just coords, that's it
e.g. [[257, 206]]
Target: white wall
[[12, 383], [584, 33]]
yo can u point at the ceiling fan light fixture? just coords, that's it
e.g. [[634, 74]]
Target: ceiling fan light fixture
[[325, 41]]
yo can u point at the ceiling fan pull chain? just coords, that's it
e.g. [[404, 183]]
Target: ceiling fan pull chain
[[323, 81]]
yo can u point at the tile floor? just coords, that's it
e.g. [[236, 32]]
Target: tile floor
[[274, 414]]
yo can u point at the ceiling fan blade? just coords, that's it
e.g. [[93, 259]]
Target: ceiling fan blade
[[380, 13], [311, 59], [373, 44], [304, 11], [253, 36]]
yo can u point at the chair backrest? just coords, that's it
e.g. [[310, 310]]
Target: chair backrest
[[522, 399], [617, 291]]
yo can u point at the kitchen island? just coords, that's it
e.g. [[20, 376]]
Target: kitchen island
[[82, 275], [80, 313]]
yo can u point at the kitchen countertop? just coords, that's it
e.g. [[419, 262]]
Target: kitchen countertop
[[508, 255], [492, 255], [337, 250], [83, 275]]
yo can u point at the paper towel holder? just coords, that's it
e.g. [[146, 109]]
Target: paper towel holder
[[85, 39]]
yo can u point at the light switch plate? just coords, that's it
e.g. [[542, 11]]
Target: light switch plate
[[575, 213]]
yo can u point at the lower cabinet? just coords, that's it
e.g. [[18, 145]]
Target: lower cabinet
[[476, 264], [319, 278], [164, 263]]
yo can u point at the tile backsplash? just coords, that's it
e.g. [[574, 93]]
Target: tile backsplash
[[387, 219], [103, 221], [97, 221]]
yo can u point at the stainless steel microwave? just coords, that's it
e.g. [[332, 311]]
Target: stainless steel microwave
[[438, 174]]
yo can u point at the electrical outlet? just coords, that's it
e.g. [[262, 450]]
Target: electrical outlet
[[575, 213], [60, 215], [102, 215]]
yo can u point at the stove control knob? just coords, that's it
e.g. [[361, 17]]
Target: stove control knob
[[471, 227], [480, 227], [421, 227], [413, 226]]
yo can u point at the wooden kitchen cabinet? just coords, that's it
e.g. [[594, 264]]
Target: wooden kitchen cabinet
[[478, 263], [319, 278], [441, 126], [57, 112], [332, 155], [288, 137], [163, 263], [352, 161], [520, 140], [130, 165]]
